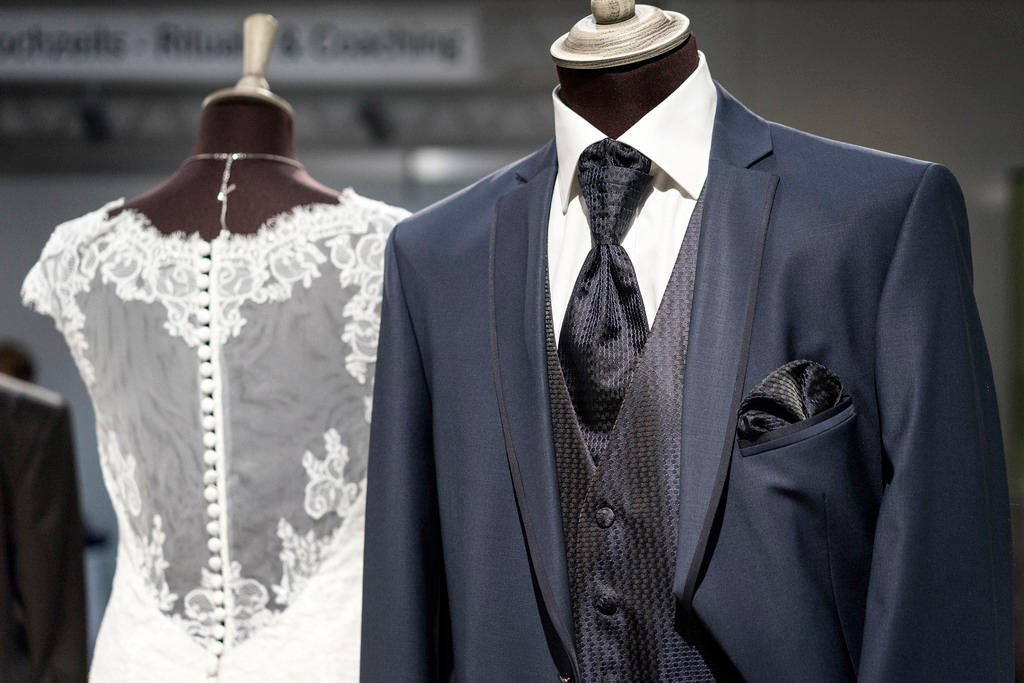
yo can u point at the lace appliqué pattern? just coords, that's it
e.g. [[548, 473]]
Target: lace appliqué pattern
[[248, 612], [52, 285], [146, 552], [153, 567], [328, 491], [361, 266], [301, 555], [119, 469], [146, 265]]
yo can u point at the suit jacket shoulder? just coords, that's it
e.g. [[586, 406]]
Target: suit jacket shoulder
[[800, 153], [845, 179], [842, 198], [442, 229]]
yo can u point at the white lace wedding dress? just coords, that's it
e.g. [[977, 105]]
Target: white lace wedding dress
[[231, 381]]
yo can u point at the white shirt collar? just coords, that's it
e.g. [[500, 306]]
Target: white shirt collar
[[675, 135]]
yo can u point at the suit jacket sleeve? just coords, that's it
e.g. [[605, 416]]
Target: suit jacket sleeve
[[46, 528], [939, 596], [403, 587]]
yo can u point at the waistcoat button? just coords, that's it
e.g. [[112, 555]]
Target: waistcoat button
[[604, 516], [606, 605]]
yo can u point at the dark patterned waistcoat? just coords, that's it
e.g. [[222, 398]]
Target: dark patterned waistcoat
[[620, 507]]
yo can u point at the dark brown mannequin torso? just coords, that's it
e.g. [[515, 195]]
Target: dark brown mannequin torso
[[616, 98], [187, 201]]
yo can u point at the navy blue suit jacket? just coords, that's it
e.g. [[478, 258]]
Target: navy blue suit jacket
[[872, 546]]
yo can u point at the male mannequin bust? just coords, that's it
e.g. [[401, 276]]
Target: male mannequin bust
[[862, 538]]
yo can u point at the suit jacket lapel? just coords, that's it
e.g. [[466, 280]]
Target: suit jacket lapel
[[737, 208], [518, 257]]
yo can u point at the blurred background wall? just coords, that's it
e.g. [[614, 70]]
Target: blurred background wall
[[941, 80]]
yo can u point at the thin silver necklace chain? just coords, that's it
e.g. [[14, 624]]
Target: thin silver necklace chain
[[230, 158], [238, 156]]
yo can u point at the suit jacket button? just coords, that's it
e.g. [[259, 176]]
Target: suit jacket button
[[604, 516], [606, 605]]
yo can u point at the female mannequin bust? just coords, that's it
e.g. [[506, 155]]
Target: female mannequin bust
[[244, 152], [189, 200], [231, 376]]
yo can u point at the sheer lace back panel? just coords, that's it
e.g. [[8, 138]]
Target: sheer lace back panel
[[231, 381]]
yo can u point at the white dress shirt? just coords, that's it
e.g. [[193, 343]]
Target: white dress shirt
[[676, 136]]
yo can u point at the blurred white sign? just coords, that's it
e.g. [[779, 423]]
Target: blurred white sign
[[344, 44]]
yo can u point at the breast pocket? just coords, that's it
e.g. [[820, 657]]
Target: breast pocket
[[795, 534], [803, 431]]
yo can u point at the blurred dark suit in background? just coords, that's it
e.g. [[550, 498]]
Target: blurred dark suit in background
[[42, 598]]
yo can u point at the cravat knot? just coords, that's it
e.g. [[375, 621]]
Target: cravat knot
[[605, 326], [613, 178]]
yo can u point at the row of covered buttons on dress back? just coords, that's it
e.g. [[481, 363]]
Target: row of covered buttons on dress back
[[209, 397]]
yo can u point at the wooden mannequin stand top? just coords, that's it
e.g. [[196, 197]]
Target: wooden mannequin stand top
[[623, 60]]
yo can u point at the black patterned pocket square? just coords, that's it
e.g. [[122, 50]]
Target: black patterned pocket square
[[797, 391]]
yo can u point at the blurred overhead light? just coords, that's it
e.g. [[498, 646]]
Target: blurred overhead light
[[449, 165]]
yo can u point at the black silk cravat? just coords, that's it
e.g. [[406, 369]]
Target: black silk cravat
[[605, 326]]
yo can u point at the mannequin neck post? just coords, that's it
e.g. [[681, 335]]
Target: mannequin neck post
[[245, 125]]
